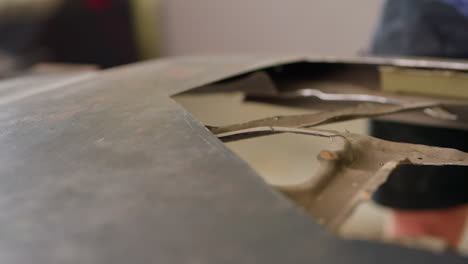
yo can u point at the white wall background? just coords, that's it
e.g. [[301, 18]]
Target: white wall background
[[332, 27]]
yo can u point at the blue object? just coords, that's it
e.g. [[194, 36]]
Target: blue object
[[423, 28], [460, 5]]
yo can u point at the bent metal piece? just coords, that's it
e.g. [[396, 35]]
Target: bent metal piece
[[436, 112], [352, 169], [310, 92], [244, 130]]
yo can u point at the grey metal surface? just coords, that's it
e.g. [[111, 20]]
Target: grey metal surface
[[109, 169]]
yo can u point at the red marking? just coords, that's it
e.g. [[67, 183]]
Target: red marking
[[447, 224], [98, 5]]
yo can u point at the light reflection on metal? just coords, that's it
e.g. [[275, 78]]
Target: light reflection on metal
[[437, 112], [309, 92]]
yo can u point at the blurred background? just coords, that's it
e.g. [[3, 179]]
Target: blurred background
[[113, 32], [318, 26]]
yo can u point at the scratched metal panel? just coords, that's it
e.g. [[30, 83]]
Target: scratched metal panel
[[109, 169]]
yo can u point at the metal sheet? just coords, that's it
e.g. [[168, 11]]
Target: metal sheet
[[109, 169]]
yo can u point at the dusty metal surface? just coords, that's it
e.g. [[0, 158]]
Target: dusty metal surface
[[109, 169]]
